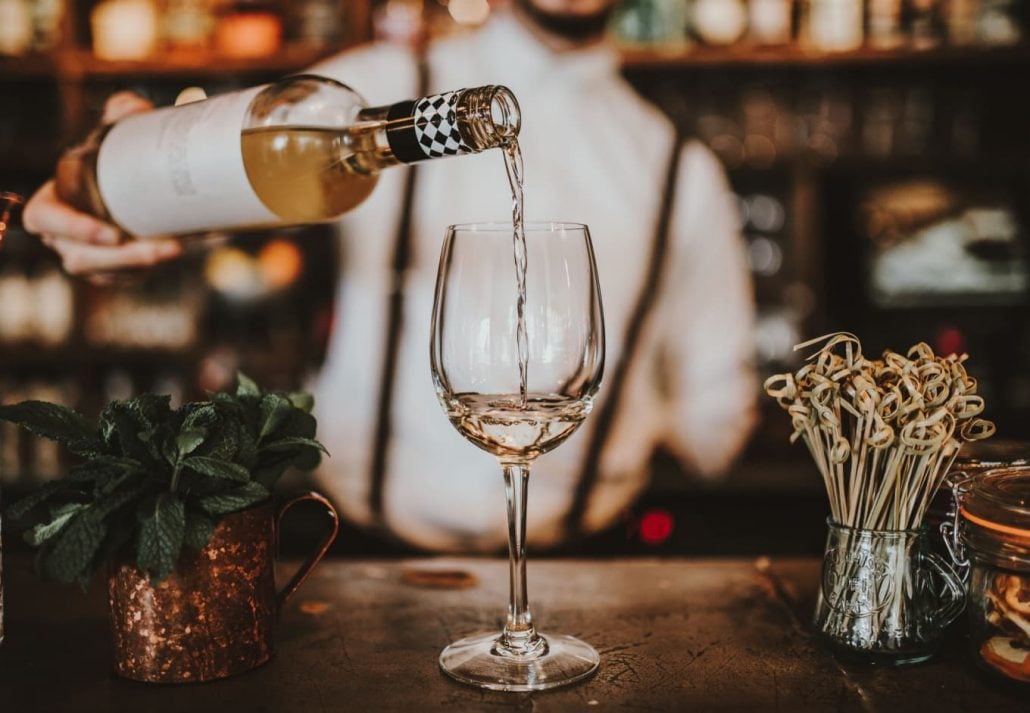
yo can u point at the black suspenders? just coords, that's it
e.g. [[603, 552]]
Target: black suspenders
[[402, 257], [605, 418]]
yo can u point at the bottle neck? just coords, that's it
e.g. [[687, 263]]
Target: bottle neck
[[442, 125]]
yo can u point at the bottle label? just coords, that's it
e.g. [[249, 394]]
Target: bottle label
[[432, 131], [180, 170]]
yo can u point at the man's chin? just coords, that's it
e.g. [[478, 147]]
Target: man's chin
[[569, 25]]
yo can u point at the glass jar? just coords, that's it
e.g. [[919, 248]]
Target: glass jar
[[885, 598], [942, 516], [995, 536]]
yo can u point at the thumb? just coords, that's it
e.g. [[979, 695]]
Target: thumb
[[122, 104]]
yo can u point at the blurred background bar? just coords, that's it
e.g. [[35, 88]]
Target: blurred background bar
[[879, 151]]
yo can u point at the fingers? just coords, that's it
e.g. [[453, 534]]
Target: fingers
[[83, 259], [121, 104], [45, 213], [190, 95]]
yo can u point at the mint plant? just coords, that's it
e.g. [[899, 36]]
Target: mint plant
[[154, 480]]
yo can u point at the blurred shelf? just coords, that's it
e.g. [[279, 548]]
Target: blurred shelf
[[75, 64], [30, 66], [793, 56], [73, 356], [35, 157]]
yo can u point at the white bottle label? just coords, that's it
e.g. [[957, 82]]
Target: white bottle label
[[180, 170]]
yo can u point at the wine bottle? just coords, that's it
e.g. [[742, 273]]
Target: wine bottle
[[303, 150]]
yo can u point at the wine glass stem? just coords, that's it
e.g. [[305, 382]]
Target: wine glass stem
[[519, 637]]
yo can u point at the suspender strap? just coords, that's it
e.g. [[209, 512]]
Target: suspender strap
[[605, 418], [402, 256]]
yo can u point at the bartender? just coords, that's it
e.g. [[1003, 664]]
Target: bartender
[[678, 302]]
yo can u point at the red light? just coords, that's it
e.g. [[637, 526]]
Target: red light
[[950, 341], [655, 526]]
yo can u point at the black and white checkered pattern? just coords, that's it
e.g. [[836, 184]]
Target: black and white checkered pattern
[[436, 125]]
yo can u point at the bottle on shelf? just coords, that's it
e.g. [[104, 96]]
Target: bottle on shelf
[[303, 150]]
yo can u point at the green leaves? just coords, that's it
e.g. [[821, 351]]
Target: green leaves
[[234, 500], [71, 557], [188, 440], [163, 526], [55, 422], [245, 386], [291, 442], [46, 530], [156, 479], [199, 529], [217, 468]]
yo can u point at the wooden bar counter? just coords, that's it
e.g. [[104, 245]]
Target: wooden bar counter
[[674, 635]]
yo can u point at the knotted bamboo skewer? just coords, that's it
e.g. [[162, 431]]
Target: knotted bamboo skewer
[[882, 432]]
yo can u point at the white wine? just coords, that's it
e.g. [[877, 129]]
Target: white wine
[[516, 178], [502, 425], [304, 175], [303, 150]]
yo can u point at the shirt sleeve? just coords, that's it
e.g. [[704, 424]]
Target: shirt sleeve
[[707, 315]]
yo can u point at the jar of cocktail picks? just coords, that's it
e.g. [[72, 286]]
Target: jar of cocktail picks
[[995, 538]]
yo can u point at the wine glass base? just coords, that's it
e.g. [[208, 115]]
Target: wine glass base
[[474, 661]]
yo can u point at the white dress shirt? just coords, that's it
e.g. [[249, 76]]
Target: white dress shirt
[[595, 153]]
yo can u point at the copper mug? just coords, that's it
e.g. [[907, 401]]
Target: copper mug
[[215, 615]]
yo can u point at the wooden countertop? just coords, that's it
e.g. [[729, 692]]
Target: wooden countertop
[[690, 635]]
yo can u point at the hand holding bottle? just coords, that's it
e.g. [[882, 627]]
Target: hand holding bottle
[[303, 150], [87, 245]]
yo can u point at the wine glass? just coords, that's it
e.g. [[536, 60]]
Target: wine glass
[[8, 203], [476, 370]]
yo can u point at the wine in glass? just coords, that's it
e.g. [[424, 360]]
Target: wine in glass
[[517, 414]]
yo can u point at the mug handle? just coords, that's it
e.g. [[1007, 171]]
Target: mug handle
[[954, 598], [316, 557]]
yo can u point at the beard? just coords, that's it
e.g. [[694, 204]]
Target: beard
[[570, 26]]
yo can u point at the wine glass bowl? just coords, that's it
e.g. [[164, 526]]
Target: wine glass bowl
[[475, 357], [517, 408]]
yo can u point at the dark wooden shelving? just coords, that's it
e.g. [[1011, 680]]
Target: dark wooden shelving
[[794, 56], [30, 66], [72, 64], [289, 59]]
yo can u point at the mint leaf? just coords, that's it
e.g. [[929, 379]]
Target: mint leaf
[[247, 448], [245, 386], [302, 400], [217, 468], [199, 415], [118, 499], [275, 410], [22, 507], [55, 422], [234, 500], [161, 536], [223, 437], [199, 530], [126, 429], [188, 440], [292, 442], [71, 557], [46, 530]]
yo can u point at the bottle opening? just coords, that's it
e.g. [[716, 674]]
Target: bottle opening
[[505, 113], [491, 117]]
